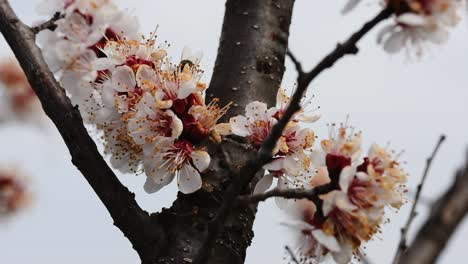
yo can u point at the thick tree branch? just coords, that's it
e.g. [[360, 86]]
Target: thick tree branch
[[446, 214], [120, 203], [404, 231]]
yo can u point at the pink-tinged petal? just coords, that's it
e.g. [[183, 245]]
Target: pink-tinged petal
[[343, 203], [176, 126], [328, 202], [103, 64], [187, 88], [318, 158], [308, 118], [201, 159], [362, 176], [105, 114], [145, 74], [386, 31], [107, 95], [344, 255], [224, 129], [439, 36], [281, 98], [327, 241], [298, 225], [281, 185], [301, 208], [152, 186], [411, 19], [187, 54], [240, 126], [395, 42], [157, 168], [256, 110], [123, 79], [293, 165], [275, 165], [189, 180], [346, 177], [321, 177], [263, 184]]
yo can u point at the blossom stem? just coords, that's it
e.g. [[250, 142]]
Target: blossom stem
[[49, 24]]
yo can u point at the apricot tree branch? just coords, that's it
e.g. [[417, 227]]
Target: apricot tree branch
[[446, 214], [119, 201], [49, 24], [404, 231]]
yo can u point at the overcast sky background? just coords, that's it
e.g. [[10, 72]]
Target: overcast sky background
[[392, 99]]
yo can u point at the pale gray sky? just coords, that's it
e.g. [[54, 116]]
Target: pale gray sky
[[389, 98]]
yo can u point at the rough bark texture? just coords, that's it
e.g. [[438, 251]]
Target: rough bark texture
[[250, 62], [446, 214]]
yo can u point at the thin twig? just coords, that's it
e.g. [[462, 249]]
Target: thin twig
[[49, 24], [311, 194], [295, 61], [404, 231], [291, 255]]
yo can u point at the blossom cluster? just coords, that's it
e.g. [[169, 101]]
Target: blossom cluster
[[417, 23], [18, 102], [153, 117], [14, 194], [292, 152], [151, 111], [351, 211]]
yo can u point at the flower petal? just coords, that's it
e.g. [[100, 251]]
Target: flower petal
[[201, 159], [189, 179], [256, 110], [263, 184], [344, 255], [329, 242], [123, 79], [145, 73], [240, 126], [346, 177]]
